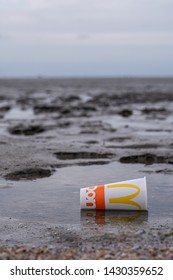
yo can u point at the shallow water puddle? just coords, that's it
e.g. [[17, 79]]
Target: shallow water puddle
[[139, 123], [19, 114], [56, 199]]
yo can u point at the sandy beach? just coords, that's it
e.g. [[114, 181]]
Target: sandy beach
[[58, 135]]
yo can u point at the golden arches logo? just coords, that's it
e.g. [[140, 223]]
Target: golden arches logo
[[125, 199]]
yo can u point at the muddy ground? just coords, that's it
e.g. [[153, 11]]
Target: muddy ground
[[51, 124]]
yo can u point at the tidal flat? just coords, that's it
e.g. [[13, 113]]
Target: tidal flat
[[59, 135]]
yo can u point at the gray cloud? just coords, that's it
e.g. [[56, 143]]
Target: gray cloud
[[4, 36], [88, 16], [83, 33]]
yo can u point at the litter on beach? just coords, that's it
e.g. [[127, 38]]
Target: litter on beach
[[125, 195]]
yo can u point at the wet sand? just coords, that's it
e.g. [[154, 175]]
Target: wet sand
[[57, 135]]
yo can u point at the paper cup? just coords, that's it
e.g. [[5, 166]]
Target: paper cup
[[126, 195]]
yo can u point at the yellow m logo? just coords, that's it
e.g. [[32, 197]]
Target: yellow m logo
[[128, 198]]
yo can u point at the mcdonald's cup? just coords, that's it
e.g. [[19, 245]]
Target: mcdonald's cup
[[126, 195]]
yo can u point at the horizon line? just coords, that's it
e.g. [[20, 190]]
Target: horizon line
[[87, 77]]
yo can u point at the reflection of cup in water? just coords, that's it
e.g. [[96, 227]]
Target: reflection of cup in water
[[126, 195], [101, 217]]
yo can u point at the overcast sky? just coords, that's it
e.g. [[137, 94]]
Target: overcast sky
[[86, 38]]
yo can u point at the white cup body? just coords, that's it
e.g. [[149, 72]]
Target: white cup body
[[125, 195]]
